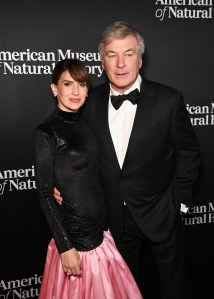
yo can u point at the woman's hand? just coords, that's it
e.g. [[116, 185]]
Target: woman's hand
[[71, 262]]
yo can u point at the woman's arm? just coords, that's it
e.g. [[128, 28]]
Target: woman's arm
[[44, 165]]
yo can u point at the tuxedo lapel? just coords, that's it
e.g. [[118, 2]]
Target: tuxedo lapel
[[142, 117], [103, 127]]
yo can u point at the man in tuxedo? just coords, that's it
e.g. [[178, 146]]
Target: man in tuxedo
[[149, 162]]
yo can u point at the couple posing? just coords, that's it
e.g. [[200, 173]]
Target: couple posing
[[135, 137]]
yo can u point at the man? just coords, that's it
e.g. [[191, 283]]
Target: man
[[149, 161]]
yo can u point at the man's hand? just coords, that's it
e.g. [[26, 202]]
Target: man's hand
[[57, 196]]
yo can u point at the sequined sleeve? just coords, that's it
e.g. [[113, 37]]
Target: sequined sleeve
[[43, 153]]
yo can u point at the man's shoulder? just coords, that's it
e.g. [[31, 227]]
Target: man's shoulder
[[158, 88]]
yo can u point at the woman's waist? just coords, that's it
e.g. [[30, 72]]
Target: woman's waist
[[86, 238]]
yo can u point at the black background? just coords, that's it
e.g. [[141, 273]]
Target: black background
[[179, 52]]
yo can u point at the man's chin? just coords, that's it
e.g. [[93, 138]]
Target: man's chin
[[121, 87]]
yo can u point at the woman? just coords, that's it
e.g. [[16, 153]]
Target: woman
[[82, 260]]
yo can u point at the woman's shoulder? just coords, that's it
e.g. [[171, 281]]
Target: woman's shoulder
[[47, 126]]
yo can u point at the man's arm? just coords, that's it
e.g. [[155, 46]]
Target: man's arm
[[187, 154], [57, 196]]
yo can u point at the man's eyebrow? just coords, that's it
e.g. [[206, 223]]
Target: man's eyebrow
[[128, 50], [131, 49], [111, 51]]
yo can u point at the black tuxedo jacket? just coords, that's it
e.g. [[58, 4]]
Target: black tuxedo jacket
[[161, 162]]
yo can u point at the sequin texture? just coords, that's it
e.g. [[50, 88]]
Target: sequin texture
[[67, 156]]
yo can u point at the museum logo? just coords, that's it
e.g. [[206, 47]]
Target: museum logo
[[20, 288], [184, 9], [30, 62], [201, 115], [13, 180], [199, 215]]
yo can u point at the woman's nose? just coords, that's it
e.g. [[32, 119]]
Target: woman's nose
[[75, 89]]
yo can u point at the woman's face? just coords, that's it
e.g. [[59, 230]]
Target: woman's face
[[70, 94]]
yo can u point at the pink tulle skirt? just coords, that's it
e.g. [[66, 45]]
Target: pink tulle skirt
[[105, 275]]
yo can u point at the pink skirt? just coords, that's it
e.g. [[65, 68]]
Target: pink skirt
[[105, 275]]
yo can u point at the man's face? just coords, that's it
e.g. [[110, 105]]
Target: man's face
[[121, 62]]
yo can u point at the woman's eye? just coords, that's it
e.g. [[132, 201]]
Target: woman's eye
[[83, 84]]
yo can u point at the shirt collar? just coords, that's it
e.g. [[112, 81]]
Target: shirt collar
[[136, 84]]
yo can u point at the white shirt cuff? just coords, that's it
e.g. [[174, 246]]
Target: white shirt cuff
[[184, 208]]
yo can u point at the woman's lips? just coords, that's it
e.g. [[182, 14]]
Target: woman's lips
[[73, 100]]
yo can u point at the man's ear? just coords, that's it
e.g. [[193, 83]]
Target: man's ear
[[102, 64], [141, 62]]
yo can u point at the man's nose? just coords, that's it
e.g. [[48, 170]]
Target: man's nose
[[120, 61]]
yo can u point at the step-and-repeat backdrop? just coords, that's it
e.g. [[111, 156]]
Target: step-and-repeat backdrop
[[34, 35]]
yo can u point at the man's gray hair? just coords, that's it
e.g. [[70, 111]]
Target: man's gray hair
[[119, 30]]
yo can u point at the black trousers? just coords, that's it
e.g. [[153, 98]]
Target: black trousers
[[168, 274]]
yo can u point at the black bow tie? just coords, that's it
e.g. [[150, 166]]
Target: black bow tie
[[133, 97]]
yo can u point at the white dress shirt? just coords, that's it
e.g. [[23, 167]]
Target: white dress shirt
[[121, 122]]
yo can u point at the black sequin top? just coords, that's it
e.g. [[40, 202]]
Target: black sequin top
[[67, 156]]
